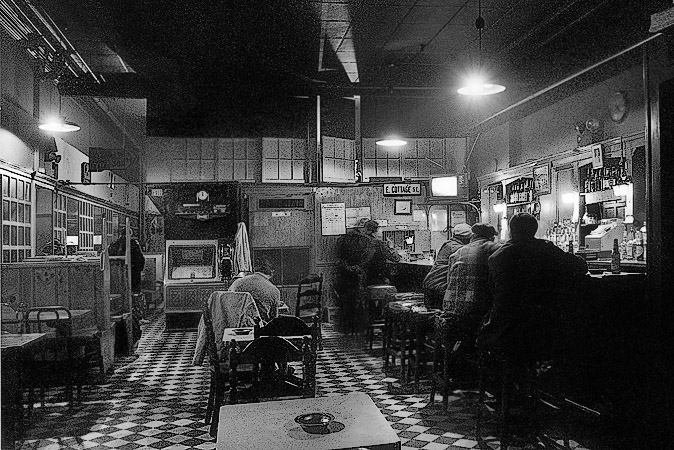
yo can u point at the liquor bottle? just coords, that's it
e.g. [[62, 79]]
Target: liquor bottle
[[615, 257]]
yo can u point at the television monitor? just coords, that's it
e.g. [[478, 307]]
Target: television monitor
[[448, 187]]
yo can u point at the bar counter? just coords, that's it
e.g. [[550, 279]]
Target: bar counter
[[408, 276]]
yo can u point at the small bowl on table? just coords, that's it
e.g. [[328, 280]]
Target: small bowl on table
[[315, 423], [241, 331]]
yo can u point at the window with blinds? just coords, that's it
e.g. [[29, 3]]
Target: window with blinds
[[86, 226], [60, 218], [16, 218]]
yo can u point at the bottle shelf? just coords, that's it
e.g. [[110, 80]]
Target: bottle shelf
[[520, 203]]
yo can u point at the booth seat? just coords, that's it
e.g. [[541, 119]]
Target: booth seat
[[75, 283]]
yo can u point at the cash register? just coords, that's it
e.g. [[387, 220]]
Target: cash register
[[601, 238]]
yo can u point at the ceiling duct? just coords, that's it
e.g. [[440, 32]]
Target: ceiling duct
[[43, 40]]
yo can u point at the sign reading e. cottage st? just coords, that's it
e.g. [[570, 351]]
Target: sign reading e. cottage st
[[401, 189]]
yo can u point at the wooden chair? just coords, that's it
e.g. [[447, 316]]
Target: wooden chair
[[309, 303], [265, 353], [377, 301], [62, 359], [289, 326], [219, 373]]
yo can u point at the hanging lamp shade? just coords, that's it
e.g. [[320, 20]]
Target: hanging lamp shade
[[477, 86], [59, 125], [391, 142]]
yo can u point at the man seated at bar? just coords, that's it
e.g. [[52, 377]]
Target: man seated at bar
[[267, 296], [531, 280], [363, 261], [468, 297], [435, 283]]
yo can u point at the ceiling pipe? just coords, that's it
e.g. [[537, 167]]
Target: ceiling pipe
[[561, 82]]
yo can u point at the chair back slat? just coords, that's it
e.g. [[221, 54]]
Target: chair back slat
[[211, 346], [285, 326], [309, 293], [270, 349]]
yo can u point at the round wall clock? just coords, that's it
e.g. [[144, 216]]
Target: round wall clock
[[202, 196], [617, 107]]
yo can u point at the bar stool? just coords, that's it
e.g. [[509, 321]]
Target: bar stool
[[521, 381], [399, 332], [378, 297], [421, 320], [453, 351]]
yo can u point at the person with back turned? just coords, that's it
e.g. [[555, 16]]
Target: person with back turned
[[118, 248], [468, 297], [267, 297], [531, 280], [435, 282], [362, 262]]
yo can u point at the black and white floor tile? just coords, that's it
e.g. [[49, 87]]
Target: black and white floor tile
[[156, 400]]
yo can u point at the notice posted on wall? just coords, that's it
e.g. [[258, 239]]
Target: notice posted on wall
[[458, 217], [353, 215], [333, 219]]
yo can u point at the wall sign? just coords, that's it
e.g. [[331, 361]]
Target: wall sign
[[597, 156], [101, 159], [85, 174], [354, 215], [541, 176], [401, 189], [333, 219]]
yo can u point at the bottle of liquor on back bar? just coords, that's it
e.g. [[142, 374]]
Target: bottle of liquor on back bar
[[615, 258]]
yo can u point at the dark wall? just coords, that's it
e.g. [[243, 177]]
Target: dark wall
[[177, 226]]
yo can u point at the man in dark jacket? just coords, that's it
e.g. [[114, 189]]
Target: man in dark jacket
[[531, 279], [435, 283], [362, 262], [118, 248], [468, 297]]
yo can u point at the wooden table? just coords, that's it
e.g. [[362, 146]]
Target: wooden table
[[13, 346], [244, 339], [272, 425]]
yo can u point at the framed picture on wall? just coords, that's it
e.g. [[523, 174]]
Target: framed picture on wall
[[541, 176], [403, 207], [597, 156]]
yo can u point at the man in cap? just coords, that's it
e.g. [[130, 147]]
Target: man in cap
[[468, 297], [435, 283]]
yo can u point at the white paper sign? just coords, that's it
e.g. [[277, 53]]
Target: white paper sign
[[333, 219], [458, 217], [353, 215]]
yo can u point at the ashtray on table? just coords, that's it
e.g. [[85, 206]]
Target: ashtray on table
[[242, 331], [316, 423]]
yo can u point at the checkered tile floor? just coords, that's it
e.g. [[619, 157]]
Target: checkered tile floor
[[156, 399]]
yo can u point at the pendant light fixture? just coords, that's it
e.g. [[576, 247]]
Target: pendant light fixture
[[58, 124], [477, 84], [391, 142]]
